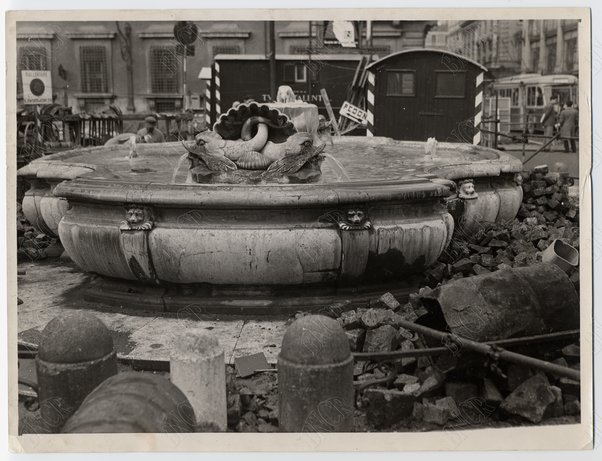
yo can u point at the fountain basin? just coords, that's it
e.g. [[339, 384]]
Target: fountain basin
[[255, 235], [391, 216]]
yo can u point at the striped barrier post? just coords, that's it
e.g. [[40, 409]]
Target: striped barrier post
[[370, 100], [478, 108], [208, 102], [216, 90]]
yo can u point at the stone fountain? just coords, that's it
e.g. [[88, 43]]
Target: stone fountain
[[258, 220]]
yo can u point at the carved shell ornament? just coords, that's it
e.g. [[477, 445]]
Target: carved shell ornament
[[137, 218], [350, 219], [466, 190]]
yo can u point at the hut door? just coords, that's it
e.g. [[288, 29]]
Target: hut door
[[431, 115], [397, 104]]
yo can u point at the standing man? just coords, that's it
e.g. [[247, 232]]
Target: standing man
[[548, 120], [568, 121], [150, 133]]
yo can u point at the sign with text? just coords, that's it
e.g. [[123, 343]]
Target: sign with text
[[37, 86], [353, 113]]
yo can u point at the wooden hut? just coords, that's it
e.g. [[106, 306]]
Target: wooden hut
[[420, 93]]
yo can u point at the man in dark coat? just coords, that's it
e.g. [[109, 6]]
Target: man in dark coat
[[568, 121], [548, 120]]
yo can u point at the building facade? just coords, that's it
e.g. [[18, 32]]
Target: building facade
[[550, 46], [496, 44], [140, 67]]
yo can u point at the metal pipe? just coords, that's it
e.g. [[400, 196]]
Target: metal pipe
[[430, 351], [543, 146], [493, 351]]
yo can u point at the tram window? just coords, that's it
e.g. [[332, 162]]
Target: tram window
[[450, 84], [534, 96], [514, 97], [401, 83]]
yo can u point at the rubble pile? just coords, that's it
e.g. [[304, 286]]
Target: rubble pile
[[252, 402], [33, 245], [546, 214], [452, 389]]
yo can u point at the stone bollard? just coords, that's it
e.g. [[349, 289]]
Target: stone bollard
[[75, 355], [197, 367], [133, 402], [315, 377]]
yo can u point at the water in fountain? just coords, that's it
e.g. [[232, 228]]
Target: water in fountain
[[178, 166], [337, 168]]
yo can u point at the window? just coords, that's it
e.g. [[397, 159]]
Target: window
[[450, 84], [535, 56], [515, 97], [164, 68], [93, 60], [294, 73], [94, 105], [511, 93], [534, 96], [32, 58], [571, 53], [551, 55], [226, 50], [401, 83], [165, 105]]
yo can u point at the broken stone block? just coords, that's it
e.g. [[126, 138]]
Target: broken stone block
[[480, 270], [450, 404], [433, 381], [407, 345], [350, 319], [461, 391], [571, 352], [487, 260], [410, 314], [479, 249], [385, 407], [490, 393], [463, 265], [496, 243], [538, 233], [381, 339], [356, 338], [503, 266], [405, 335], [522, 246], [404, 379], [386, 301], [572, 408], [432, 413], [556, 408], [418, 411], [411, 388], [531, 399], [374, 318], [571, 214]]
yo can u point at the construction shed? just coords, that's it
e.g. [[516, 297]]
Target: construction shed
[[420, 93]]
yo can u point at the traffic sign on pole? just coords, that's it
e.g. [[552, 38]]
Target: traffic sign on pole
[[37, 86]]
